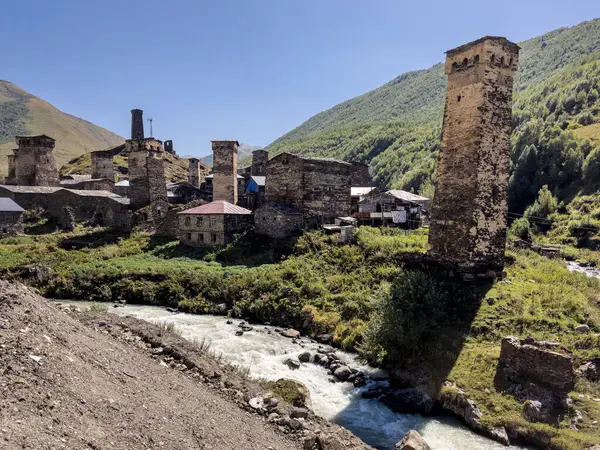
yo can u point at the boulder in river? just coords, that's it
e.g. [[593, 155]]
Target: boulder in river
[[409, 400], [304, 357], [292, 363], [412, 441], [290, 333], [342, 373]]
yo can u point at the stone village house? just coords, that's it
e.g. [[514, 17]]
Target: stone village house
[[11, 217], [215, 223]]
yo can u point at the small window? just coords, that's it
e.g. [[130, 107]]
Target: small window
[[458, 98], [189, 236], [199, 221], [465, 62], [510, 62], [214, 237], [454, 65], [493, 59], [200, 237], [159, 212], [502, 61], [476, 59], [5, 230], [188, 220]]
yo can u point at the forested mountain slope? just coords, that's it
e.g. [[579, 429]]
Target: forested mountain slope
[[396, 127]]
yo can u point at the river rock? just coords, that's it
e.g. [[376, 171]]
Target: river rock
[[412, 441], [334, 366], [247, 328], [299, 413], [359, 381], [256, 403], [292, 363], [409, 400], [304, 357], [324, 338], [229, 322], [290, 333], [239, 332], [342, 373], [583, 328]]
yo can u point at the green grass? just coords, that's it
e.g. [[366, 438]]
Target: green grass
[[363, 293]]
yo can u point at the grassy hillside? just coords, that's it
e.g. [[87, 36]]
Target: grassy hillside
[[24, 114], [396, 127]]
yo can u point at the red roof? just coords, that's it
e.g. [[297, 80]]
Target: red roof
[[217, 207]]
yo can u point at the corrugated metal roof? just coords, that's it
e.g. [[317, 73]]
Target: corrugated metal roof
[[31, 189], [358, 191], [407, 196], [9, 205], [259, 180], [217, 207], [212, 175]]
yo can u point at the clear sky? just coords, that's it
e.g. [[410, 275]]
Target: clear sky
[[249, 70]]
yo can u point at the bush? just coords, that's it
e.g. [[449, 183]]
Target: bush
[[545, 205], [521, 229]]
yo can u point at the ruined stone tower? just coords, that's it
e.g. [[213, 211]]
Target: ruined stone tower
[[468, 225], [146, 172], [34, 163], [194, 172], [102, 165], [169, 147], [259, 162], [137, 124], [12, 168], [225, 182]]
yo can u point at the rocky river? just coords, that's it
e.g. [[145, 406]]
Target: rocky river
[[264, 353]]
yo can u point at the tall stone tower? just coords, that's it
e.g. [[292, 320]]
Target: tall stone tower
[[194, 172], [102, 165], [259, 162], [137, 124], [225, 182], [34, 162], [147, 184], [468, 225], [12, 168]]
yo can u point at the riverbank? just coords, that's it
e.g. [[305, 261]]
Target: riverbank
[[435, 334], [74, 379]]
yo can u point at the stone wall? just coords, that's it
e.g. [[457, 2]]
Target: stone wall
[[276, 222], [260, 158], [318, 188], [225, 182], [527, 361], [102, 165], [12, 170], [468, 223], [34, 162], [211, 229], [11, 223]]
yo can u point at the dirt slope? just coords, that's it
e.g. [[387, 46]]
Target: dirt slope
[[89, 390]]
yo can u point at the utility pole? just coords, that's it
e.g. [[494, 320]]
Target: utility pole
[[150, 120]]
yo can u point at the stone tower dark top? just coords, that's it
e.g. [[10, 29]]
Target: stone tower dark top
[[468, 226], [259, 162], [137, 124], [225, 182], [169, 147]]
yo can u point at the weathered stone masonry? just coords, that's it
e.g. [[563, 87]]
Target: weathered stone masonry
[[34, 163], [146, 173], [102, 165], [468, 224], [225, 181]]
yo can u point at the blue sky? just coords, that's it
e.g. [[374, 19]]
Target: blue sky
[[249, 70]]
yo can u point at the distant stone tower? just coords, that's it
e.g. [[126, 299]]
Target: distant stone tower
[[169, 147], [137, 124], [260, 158], [147, 183], [194, 172], [34, 162], [12, 168], [225, 182], [468, 225], [102, 165]]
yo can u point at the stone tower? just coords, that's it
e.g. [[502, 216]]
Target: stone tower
[[137, 124], [34, 162], [225, 182], [194, 172], [468, 225], [147, 184], [102, 165], [12, 168], [169, 147], [259, 162]]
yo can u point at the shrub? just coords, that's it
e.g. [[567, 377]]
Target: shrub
[[521, 229]]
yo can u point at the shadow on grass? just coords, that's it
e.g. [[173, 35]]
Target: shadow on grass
[[39, 228], [93, 239]]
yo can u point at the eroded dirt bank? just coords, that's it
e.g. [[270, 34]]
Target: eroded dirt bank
[[84, 380]]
